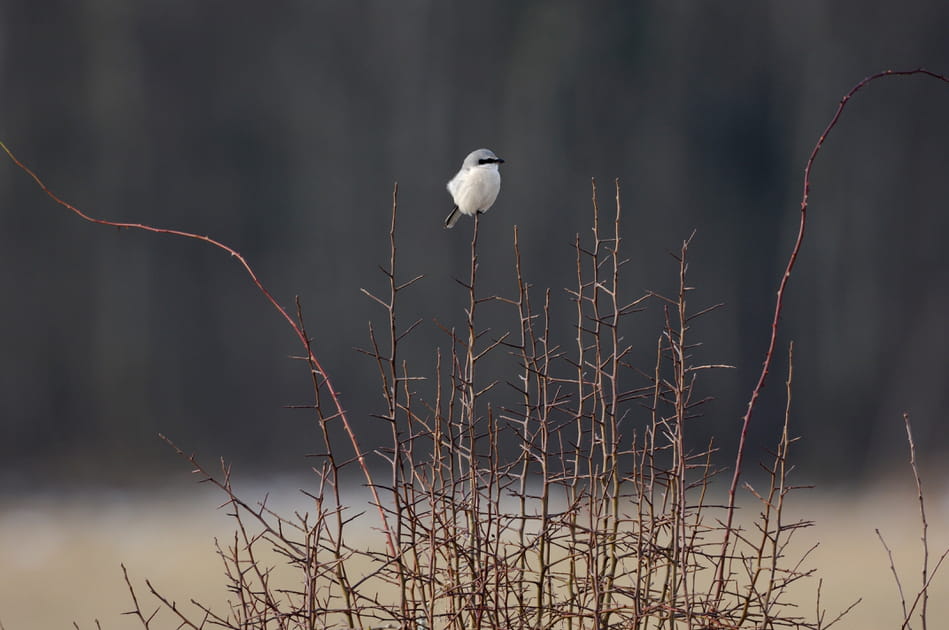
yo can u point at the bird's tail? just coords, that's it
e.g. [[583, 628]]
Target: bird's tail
[[453, 218]]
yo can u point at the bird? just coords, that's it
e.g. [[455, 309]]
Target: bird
[[476, 186]]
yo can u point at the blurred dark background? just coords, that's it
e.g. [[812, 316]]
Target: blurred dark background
[[279, 128]]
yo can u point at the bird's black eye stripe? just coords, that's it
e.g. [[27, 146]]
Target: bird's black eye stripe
[[490, 161]]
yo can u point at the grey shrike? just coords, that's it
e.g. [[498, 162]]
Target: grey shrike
[[476, 185]]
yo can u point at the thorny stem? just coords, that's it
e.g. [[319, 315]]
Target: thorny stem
[[922, 517], [779, 305], [297, 329]]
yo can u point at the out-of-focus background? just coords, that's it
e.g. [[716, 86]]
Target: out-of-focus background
[[280, 128]]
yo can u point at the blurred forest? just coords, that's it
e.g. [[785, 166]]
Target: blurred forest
[[280, 128]]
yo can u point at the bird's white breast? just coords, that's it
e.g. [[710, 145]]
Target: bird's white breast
[[476, 190]]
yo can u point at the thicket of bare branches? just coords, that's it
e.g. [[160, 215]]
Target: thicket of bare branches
[[602, 518]]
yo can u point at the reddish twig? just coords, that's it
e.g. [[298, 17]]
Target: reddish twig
[[297, 328], [779, 301]]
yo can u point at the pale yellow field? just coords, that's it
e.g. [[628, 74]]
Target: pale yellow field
[[60, 555]]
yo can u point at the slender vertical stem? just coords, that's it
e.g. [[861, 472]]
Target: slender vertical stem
[[779, 306]]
